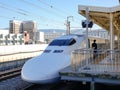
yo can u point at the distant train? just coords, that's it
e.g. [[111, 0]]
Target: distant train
[[45, 68]]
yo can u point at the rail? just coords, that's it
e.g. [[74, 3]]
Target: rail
[[105, 61], [10, 73]]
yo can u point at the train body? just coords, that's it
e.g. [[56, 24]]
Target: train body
[[45, 68]]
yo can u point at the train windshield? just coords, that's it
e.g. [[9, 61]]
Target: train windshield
[[63, 42]]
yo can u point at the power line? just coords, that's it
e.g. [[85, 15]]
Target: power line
[[51, 6], [20, 11], [5, 17], [12, 9], [57, 9], [29, 13], [17, 10], [38, 7], [43, 9]]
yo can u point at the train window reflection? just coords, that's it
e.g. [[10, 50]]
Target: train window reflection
[[63, 42], [72, 41]]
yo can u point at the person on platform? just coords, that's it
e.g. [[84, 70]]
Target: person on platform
[[94, 46]]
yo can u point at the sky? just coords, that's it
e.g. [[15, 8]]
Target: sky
[[49, 14]]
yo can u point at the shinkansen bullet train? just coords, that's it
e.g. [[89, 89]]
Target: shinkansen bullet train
[[45, 68]]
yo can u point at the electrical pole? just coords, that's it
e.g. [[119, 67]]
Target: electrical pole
[[68, 25]]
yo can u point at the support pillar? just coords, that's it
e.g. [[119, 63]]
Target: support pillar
[[111, 40], [111, 36], [87, 22], [92, 84]]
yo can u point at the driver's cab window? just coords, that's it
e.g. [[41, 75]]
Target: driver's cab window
[[63, 42]]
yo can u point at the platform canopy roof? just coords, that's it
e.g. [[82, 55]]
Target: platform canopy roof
[[101, 16]]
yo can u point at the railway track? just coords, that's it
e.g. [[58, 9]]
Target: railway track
[[10, 73]]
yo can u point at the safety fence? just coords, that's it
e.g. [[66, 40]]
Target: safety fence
[[83, 60]]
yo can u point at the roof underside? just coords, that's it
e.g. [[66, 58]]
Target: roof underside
[[101, 16]]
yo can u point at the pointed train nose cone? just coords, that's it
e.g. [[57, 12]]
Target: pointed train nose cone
[[42, 71]]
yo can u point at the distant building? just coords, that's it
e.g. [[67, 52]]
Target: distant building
[[15, 26], [21, 26], [30, 27], [11, 39], [39, 37]]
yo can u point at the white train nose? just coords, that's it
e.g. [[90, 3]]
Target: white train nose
[[42, 71], [35, 76], [42, 80]]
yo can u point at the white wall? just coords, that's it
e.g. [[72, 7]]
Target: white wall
[[21, 48], [39, 36], [4, 31]]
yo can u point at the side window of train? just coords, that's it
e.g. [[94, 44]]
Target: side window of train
[[72, 41]]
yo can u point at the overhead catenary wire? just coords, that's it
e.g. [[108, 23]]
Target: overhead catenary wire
[[38, 7], [12, 9], [51, 6], [28, 13], [5, 17], [41, 8], [24, 12], [59, 10], [17, 10], [46, 10]]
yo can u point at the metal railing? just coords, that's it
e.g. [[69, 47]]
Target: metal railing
[[104, 61]]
